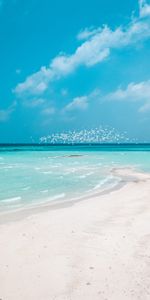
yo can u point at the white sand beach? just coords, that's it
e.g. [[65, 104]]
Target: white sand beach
[[96, 249]]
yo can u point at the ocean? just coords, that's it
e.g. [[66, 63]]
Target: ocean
[[33, 175]]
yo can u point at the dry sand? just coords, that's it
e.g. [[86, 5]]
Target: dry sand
[[95, 249]]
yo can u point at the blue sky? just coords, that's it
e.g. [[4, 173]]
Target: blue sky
[[70, 65]]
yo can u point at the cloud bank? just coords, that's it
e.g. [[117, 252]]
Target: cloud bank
[[96, 47], [144, 8], [134, 92]]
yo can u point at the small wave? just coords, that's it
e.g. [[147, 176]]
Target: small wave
[[107, 180], [7, 167], [90, 173], [26, 188], [56, 166], [86, 175], [70, 171], [73, 155], [49, 199], [11, 199], [44, 191], [47, 172], [58, 196]]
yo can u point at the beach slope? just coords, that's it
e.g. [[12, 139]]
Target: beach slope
[[96, 249]]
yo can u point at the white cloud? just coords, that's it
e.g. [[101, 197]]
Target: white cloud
[[145, 107], [80, 103], [64, 92], [97, 47], [6, 113], [87, 33], [34, 102], [48, 111], [144, 8], [133, 92]]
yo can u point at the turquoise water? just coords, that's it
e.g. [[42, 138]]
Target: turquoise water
[[35, 175]]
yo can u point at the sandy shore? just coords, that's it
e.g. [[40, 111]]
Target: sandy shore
[[96, 249]]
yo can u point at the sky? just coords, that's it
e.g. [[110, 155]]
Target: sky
[[74, 65]]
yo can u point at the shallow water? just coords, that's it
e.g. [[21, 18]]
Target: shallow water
[[34, 175]]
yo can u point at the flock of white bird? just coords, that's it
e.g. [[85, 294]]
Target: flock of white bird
[[95, 135]]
